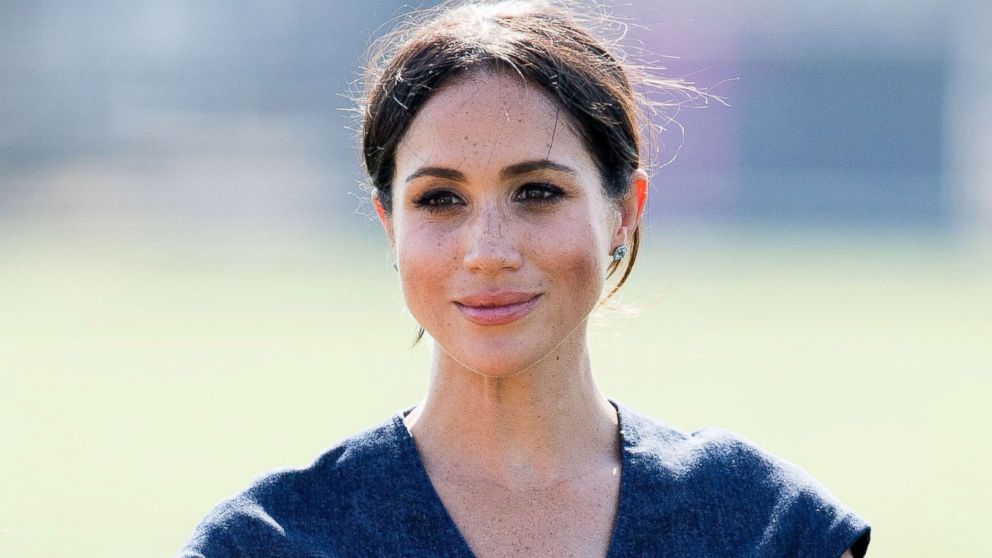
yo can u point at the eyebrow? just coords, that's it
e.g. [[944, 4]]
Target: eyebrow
[[438, 172], [531, 166], [507, 172]]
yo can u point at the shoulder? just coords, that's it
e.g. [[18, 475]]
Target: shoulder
[[271, 512], [712, 452], [775, 505], [715, 455]]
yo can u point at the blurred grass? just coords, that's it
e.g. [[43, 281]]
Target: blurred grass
[[143, 380]]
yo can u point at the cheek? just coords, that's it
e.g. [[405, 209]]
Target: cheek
[[585, 274], [427, 259], [571, 261]]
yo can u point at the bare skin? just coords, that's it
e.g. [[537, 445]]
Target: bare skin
[[522, 469]]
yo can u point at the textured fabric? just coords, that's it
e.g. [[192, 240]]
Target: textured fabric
[[708, 494]]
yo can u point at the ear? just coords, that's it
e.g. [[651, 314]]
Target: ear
[[632, 207], [384, 219]]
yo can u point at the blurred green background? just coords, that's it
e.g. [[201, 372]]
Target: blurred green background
[[144, 383], [192, 292]]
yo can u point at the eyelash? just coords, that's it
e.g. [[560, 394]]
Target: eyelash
[[432, 200], [552, 193]]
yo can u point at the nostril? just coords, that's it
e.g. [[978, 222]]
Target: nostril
[[491, 255]]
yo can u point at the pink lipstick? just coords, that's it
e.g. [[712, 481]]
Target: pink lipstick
[[490, 309]]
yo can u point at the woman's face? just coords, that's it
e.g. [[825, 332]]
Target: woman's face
[[501, 228]]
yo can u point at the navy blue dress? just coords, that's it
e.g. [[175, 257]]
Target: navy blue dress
[[708, 494]]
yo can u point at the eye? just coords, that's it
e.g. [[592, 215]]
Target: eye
[[437, 200], [539, 192]]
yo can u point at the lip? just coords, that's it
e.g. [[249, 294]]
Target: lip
[[490, 309]]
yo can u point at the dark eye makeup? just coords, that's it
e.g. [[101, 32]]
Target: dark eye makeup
[[539, 192], [533, 194], [436, 200]]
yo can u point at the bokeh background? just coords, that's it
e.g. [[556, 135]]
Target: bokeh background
[[192, 291]]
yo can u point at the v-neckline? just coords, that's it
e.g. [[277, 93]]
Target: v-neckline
[[424, 480]]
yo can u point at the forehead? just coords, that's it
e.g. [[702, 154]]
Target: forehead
[[490, 120]]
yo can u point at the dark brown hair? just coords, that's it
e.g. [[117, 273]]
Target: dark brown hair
[[546, 43]]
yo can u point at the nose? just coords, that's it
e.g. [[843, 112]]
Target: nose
[[491, 244]]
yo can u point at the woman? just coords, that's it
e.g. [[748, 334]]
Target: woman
[[502, 144]]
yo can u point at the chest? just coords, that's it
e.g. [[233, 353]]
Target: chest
[[573, 518]]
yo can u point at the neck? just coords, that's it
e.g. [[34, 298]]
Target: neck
[[546, 424]]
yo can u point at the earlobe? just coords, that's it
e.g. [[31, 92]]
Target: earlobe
[[622, 235]]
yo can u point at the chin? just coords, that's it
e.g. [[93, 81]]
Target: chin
[[504, 355], [493, 357]]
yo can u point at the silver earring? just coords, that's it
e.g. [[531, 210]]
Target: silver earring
[[619, 252], [396, 266]]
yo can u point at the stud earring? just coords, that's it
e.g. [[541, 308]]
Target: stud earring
[[619, 252]]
